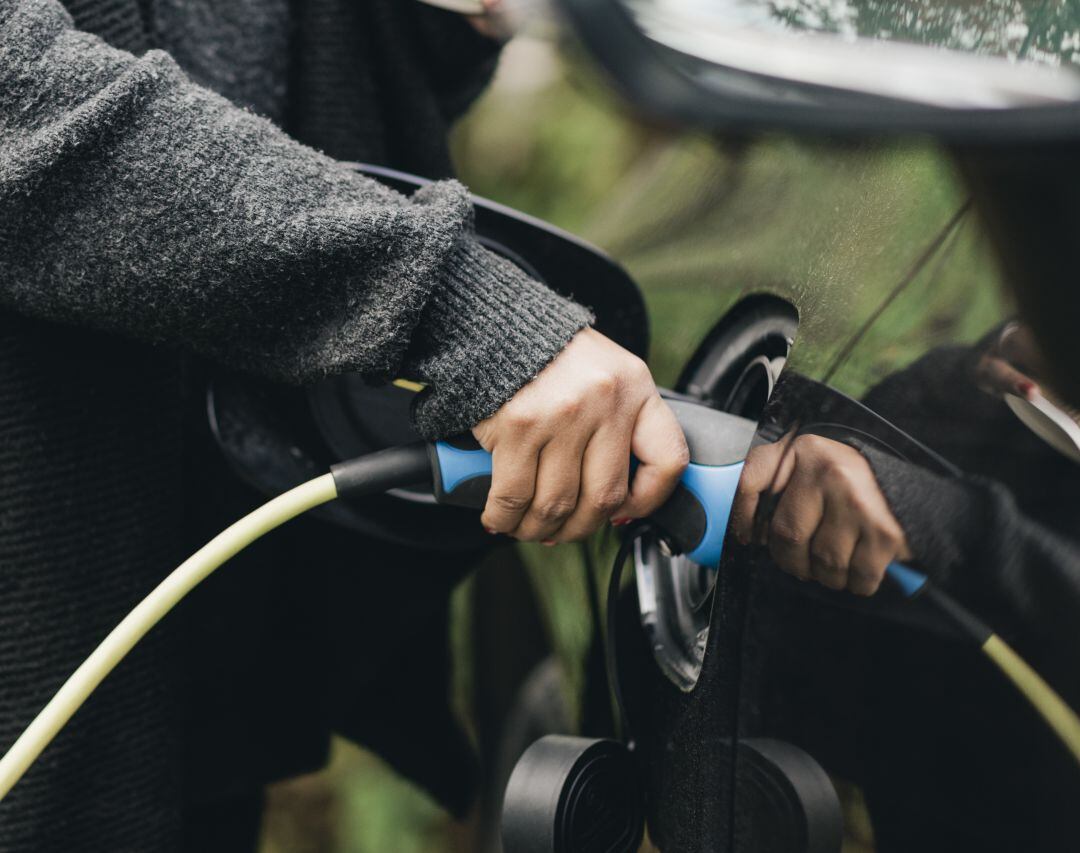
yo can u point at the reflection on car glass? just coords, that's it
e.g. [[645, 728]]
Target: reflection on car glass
[[1032, 30], [1054, 422], [992, 513], [1012, 367]]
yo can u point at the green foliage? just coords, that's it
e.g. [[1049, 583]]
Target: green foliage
[[552, 151]]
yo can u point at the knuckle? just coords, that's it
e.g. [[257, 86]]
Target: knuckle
[[826, 561], [520, 419], [837, 472], [568, 408], [609, 499], [884, 535], [786, 534], [868, 512], [554, 510], [890, 536], [509, 502], [844, 474], [828, 564], [605, 382]]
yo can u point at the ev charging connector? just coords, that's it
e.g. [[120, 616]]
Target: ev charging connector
[[693, 521]]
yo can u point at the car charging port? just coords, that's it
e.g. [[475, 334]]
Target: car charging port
[[734, 370]]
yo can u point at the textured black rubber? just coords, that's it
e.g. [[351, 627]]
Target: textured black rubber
[[785, 800], [375, 473], [574, 795]]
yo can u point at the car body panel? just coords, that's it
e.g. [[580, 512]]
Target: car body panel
[[876, 246]]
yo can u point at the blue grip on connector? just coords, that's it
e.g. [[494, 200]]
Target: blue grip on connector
[[714, 487], [458, 465], [909, 581]]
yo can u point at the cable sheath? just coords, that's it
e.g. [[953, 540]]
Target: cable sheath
[[611, 658], [148, 613], [1060, 717]]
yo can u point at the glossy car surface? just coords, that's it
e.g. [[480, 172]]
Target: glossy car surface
[[877, 249]]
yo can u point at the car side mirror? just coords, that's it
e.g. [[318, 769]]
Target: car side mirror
[[957, 70]]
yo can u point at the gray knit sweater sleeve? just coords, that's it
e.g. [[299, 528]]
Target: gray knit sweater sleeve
[[133, 201]]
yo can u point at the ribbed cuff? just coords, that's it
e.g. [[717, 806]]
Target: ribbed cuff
[[487, 330], [937, 513]]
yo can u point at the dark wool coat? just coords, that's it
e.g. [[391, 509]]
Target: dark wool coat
[[149, 228]]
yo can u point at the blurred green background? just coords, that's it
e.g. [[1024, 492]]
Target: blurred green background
[[699, 222]]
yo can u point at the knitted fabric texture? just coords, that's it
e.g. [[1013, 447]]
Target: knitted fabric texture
[[137, 203], [145, 221]]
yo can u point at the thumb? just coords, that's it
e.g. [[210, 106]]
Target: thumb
[[659, 446]]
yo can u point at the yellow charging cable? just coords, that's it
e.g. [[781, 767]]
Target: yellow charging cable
[[1051, 707], [409, 385], [70, 697], [372, 474], [1062, 719]]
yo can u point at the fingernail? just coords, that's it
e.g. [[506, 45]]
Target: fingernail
[[1026, 388], [548, 542], [490, 531], [619, 522]]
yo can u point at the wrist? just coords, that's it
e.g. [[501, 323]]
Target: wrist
[[487, 331]]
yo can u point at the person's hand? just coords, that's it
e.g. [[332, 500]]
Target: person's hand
[[1012, 364], [831, 522], [561, 446]]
